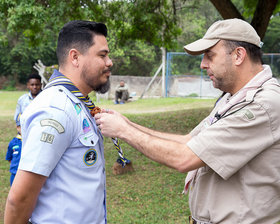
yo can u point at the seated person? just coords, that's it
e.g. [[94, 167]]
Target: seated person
[[121, 93]]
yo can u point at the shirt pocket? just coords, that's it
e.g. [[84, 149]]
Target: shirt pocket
[[89, 153], [89, 139]]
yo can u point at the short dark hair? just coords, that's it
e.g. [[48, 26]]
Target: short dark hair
[[77, 34], [34, 76], [254, 52]]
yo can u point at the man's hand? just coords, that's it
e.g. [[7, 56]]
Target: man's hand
[[111, 123]]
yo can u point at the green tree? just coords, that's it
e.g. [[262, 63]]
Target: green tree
[[137, 28], [29, 28], [272, 37]]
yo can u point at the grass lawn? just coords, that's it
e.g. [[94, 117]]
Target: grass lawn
[[151, 194]]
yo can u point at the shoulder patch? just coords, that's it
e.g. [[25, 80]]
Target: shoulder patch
[[48, 138], [52, 123], [247, 114]]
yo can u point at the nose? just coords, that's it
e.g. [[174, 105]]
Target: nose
[[109, 62], [204, 63]]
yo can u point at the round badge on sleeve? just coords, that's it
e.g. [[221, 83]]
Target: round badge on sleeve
[[90, 157]]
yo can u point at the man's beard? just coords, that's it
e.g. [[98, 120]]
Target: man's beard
[[103, 88]]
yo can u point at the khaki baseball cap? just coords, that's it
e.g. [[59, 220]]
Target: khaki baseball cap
[[229, 29]]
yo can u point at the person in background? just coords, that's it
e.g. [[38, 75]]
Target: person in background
[[13, 154], [61, 176], [232, 156], [34, 86], [121, 93]]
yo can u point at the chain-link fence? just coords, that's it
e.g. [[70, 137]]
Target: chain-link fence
[[185, 78]]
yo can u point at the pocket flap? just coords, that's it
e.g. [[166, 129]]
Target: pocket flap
[[89, 139]]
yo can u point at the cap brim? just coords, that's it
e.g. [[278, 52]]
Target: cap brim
[[199, 46]]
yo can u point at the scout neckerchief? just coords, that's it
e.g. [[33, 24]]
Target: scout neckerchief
[[238, 98], [18, 136], [59, 79]]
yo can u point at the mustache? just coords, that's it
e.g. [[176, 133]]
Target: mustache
[[107, 70]]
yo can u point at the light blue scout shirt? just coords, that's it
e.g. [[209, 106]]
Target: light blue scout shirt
[[22, 103], [61, 141]]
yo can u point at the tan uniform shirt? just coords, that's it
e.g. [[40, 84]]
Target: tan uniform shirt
[[241, 182]]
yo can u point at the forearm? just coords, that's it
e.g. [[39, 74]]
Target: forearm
[[22, 197], [170, 152], [174, 137], [18, 210], [16, 213]]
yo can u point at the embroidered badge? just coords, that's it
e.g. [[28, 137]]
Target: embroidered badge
[[86, 127], [78, 108], [247, 114], [52, 123], [16, 147], [48, 138], [90, 157]]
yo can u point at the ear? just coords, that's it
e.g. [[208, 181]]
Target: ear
[[74, 57], [239, 55]]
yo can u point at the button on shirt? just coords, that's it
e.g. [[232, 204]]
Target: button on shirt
[[61, 141], [240, 183]]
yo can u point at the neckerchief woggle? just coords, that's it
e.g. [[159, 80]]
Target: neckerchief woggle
[[57, 79]]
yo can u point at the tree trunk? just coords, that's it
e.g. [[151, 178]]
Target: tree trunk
[[261, 17], [227, 9]]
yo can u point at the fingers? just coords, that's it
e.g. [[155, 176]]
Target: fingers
[[105, 111], [97, 117], [108, 111], [101, 119], [104, 123]]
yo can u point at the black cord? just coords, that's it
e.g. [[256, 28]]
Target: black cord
[[219, 116]]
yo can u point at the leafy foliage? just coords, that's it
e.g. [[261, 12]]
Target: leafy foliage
[[137, 30], [272, 37]]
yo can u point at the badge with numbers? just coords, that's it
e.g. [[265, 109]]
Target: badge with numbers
[[48, 138]]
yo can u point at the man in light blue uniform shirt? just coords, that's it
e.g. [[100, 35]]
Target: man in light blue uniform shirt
[[34, 86], [61, 176]]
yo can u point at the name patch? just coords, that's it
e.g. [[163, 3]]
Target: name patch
[[52, 123]]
